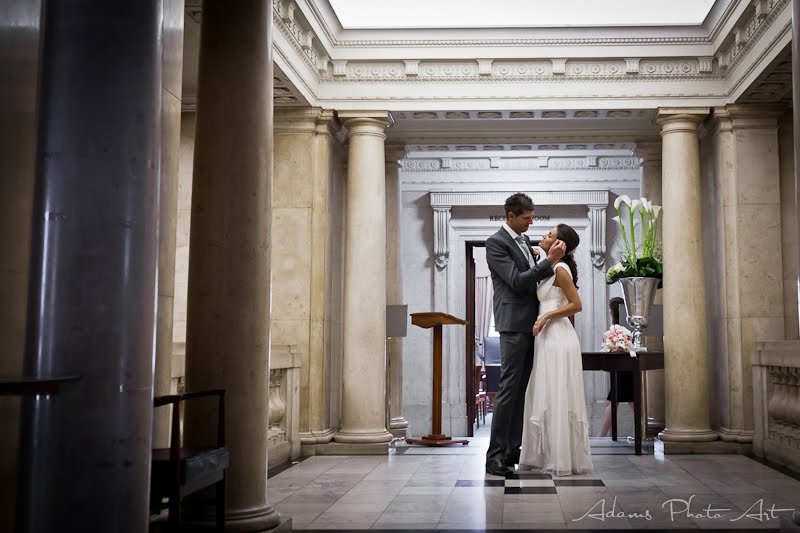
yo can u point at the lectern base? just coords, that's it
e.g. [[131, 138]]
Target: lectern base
[[437, 440]]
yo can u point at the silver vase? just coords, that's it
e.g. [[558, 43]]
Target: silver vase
[[638, 294]]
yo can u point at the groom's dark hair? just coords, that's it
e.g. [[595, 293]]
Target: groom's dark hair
[[518, 203]]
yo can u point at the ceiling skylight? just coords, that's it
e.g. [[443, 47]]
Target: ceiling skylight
[[386, 14]]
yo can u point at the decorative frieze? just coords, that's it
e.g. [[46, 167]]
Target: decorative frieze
[[589, 162], [534, 69]]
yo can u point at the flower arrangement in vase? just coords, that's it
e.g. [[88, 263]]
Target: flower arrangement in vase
[[641, 256]]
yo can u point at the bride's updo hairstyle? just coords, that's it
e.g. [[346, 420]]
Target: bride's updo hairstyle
[[571, 239]]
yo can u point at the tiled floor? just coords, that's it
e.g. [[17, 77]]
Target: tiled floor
[[447, 488]]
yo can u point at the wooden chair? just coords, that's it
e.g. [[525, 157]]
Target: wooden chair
[[178, 471]]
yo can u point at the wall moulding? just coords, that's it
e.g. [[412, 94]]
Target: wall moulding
[[593, 163]]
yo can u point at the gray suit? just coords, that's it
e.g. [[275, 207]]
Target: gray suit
[[516, 307]]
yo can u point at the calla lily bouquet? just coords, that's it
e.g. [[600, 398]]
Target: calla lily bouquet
[[638, 220]]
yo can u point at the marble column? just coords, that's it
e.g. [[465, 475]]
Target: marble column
[[363, 419], [650, 154], [303, 209], [398, 425], [172, 65], [745, 142], [94, 254], [685, 338], [19, 65], [228, 315]]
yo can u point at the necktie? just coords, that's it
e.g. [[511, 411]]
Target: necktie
[[525, 250]]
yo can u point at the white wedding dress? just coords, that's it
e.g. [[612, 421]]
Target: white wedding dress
[[555, 437]]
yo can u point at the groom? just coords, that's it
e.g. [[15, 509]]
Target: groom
[[515, 274]]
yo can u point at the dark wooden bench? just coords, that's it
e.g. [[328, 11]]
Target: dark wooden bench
[[178, 471]]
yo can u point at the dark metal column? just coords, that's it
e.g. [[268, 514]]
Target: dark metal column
[[796, 116], [93, 268]]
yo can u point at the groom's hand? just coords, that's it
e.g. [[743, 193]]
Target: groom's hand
[[556, 252]]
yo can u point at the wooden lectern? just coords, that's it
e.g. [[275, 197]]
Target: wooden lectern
[[435, 321]]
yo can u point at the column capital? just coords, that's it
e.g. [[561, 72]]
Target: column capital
[[361, 122], [305, 120], [747, 116], [681, 119], [393, 153], [648, 151]]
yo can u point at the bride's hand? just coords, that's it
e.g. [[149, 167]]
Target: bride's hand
[[539, 325]]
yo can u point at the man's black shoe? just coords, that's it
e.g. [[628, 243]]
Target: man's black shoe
[[512, 462], [496, 468]]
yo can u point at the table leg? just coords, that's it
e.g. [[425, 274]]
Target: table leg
[[637, 408], [615, 388]]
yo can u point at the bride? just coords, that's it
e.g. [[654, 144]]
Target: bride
[[555, 436]]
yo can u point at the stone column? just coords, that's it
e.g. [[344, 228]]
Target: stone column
[[749, 206], [228, 316], [394, 287], [172, 64], [363, 419], [94, 253], [19, 65], [303, 210], [796, 123], [650, 154], [685, 339]]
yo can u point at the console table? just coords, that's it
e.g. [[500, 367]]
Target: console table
[[615, 361]]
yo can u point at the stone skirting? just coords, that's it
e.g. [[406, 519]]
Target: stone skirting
[[776, 398], [283, 428]]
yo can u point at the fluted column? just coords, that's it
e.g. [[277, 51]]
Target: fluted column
[[228, 316], [398, 425], [650, 154], [685, 338], [364, 333], [94, 254]]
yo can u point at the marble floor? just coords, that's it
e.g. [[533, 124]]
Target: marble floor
[[417, 488]]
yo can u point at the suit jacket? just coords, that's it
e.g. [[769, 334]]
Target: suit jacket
[[516, 305]]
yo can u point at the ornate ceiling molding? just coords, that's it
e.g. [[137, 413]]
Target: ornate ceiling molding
[[565, 163]]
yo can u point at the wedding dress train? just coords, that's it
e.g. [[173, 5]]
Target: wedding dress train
[[555, 436]]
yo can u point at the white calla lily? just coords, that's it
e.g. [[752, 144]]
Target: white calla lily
[[624, 198], [641, 255]]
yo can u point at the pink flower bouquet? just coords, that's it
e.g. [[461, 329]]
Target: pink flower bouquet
[[618, 339]]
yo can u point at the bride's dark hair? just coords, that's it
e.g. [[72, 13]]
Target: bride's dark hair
[[571, 239]]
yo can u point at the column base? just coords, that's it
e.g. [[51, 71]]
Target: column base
[[688, 435], [716, 447], [398, 427], [376, 436], [321, 436], [345, 448], [736, 435], [253, 520]]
